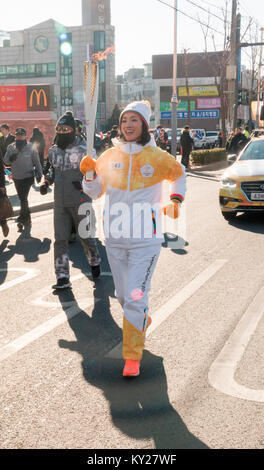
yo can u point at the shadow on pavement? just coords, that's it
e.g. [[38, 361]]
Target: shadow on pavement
[[253, 222], [140, 407], [25, 245]]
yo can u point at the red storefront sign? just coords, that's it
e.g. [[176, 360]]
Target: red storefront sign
[[13, 98]]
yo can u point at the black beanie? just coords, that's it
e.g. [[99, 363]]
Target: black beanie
[[67, 120]]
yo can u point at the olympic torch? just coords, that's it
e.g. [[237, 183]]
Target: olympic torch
[[91, 86]]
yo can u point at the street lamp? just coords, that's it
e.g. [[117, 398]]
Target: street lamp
[[174, 99]]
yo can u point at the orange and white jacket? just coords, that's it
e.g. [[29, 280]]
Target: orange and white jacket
[[131, 176]]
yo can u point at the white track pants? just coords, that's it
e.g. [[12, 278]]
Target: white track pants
[[132, 271]]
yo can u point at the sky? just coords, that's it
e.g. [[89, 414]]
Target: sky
[[144, 27]]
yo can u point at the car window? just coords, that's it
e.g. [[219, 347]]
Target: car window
[[254, 151]]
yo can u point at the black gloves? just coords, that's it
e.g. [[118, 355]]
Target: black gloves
[[44, 188], [13, 157], [77, 185]]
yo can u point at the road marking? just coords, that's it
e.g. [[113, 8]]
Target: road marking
[[41, 330], [49, 325], [30, 274], [222, 371], [160, 315]]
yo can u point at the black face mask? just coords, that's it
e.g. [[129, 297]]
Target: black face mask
[[20, 144], [64, 140]]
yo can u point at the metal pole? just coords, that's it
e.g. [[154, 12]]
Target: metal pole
[[238, 65], [174, 99], [232, 64], [259, 78]]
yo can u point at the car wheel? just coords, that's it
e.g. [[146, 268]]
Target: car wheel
[[229, 215]]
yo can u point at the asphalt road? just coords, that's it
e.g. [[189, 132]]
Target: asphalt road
[[202, 379]]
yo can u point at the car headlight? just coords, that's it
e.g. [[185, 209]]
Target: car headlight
[[228, 183]]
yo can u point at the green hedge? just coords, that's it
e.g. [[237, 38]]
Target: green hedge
[[204, 157]]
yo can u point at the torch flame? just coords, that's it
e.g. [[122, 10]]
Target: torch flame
[[98, 56]]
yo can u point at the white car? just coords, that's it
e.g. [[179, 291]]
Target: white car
[[199, 138], [211, 139]]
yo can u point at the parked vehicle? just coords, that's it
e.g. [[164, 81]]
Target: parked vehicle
[[212, 139], [199, 137], [242, 184]]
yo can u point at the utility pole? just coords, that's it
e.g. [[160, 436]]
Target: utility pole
[[232, 68], [174, 99], [259, 77], [238, 68]]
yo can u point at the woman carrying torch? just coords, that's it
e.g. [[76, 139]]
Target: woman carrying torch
[[130, 174]]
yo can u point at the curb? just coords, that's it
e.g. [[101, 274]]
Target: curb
[[212, 166], [37, 207]]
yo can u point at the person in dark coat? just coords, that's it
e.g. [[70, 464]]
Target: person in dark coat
[[3, 222], [186, 142], [25, 165], [38, 142], [6, 139], [237, 142]]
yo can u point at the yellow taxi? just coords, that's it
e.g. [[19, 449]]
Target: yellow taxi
[[242, 184]]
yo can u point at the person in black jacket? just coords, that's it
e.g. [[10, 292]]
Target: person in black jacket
[[3, 222], [38, 142], [186, 142], [237, 142], [6, 139]]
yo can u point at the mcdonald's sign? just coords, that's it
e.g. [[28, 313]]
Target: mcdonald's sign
[[38, 98]]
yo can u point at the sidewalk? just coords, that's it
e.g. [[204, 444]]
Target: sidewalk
[[39, 203], [36, 201]]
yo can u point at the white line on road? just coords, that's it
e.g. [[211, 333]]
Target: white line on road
[[30, 274], [160, 315], [222, 371], [49, 325]]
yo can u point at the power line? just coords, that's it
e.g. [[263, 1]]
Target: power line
[[191, 17], [198, 6], [215, 6]]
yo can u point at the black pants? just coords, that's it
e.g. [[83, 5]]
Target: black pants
[[23, 188], [185, 159]]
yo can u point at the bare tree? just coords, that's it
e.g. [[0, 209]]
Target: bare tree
[[185, 61]]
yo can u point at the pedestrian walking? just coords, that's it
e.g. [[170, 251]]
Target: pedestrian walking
[[186, 142], [25, 164], [81, 137], [131, 175], [64, 159], [237, 142], [6, 139], [3, 222], [38, 142]]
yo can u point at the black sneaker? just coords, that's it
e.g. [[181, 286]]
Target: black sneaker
[[62, 283], [96, 271]]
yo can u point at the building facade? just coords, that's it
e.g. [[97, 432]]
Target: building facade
[[198, 89], [53, 55], [136, 84]]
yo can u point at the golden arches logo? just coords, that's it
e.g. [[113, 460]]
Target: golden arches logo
[[38, 95]]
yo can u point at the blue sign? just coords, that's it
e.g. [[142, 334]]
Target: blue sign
[[165, 115], [206, 114], [201, 114]]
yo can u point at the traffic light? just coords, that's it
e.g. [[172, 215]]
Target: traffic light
[[65, 40], [239, 97]]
